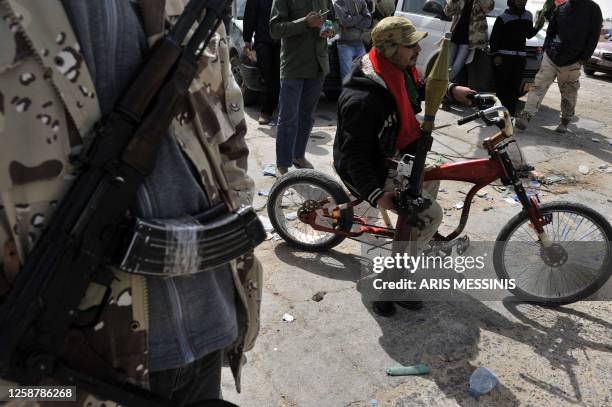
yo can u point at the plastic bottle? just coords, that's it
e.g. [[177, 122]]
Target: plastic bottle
[[482, 381]]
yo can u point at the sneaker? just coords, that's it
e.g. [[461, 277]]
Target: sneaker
[[383, 308], [522, 121], [302, 163], [562, 127], [264, 118], [280, 171], [413, 305]]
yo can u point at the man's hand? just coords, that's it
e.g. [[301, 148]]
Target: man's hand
[[248, 50], [314, 19], [497, 60], [461, 93], [327, 33], [387, 201]]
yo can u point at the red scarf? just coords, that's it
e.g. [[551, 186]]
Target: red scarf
[[410, 128]]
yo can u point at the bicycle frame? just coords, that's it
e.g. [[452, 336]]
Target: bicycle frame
[[479, 172]]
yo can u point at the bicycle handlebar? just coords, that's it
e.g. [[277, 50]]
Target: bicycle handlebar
[[468, 119], [485, 99]]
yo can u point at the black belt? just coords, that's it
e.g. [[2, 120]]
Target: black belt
[[191, 244]]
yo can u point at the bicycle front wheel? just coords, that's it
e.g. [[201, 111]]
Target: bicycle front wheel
[[578, 262]]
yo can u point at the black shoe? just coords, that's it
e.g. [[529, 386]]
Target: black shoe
[[383, 308], [413, 305]]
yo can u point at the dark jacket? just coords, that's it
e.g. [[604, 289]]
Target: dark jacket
[[303, 50], [510, 32], [257, 20], [366, 132], [573, 32]]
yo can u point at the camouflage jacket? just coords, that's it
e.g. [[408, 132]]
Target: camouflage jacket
[[47, 110], [479, 29]]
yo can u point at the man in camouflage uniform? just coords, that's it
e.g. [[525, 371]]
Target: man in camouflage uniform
[[62, 66]]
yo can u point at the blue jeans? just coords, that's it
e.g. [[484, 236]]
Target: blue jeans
[[347, 54], [458, 54], [296, 107]]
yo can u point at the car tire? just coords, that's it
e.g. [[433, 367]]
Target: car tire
[[332, 95], [588, 71]]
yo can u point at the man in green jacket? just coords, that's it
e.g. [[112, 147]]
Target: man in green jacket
[[304, 64]]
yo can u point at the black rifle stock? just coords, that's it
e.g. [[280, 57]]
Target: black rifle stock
[[86, 227]]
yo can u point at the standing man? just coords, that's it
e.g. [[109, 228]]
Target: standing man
[[304, 64], [508, 38], [355, 19], [61, 70], [377, 120], [571, 38], [257, 21]]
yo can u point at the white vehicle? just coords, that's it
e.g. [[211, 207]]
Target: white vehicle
[[428, 15]]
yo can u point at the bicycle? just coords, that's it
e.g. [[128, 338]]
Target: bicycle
[[549, 231]]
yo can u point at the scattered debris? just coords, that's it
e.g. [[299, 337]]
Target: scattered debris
[[482, 194], [553, 178], [482, 382], [288, 317], [266, 223], [443, 190], [291, 216], [535, 184], [264, 192], [458, 205], [275, 349], [510, 201], [536, 175], [583, 169], [596, 140], [421, 368], [488, 208], [319, 296], [602, 166], [270, 236], [609, 170], [270, 170], [374, 402], [276, 237]]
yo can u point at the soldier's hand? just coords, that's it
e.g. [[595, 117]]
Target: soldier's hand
[[461, 94], [387, 201], [314, 19]]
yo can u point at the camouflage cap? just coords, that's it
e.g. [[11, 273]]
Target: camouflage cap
[[390, 32]]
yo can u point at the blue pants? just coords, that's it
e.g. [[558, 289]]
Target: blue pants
[[347, 54], [296, 107]]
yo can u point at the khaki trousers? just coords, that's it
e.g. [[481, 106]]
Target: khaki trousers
[[568, 81]]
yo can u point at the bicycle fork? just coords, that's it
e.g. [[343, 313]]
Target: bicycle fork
[[531, 204]]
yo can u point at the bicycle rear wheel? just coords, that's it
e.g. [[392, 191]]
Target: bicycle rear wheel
[[578, 263], [292, 193]]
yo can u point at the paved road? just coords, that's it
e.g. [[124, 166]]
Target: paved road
[[337, 350]]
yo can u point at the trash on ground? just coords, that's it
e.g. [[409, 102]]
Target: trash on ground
[[458, 205], [269, 236], [609, 170], [319, 296], [374, 402], [288, 317], [264, 192], [270, 170], [291, 216], [482, 194], [266, 223], [488, 208], [442, 190], [418, 369], [482, 382], [536, 175], [583, 169], [276, 237], [510, 201], [535, 184], [553, 178], [596, 140], [602, 166]]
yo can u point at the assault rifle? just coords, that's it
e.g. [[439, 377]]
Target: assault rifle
[[85, 230]]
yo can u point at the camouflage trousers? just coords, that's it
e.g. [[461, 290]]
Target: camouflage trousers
[[568, 80]]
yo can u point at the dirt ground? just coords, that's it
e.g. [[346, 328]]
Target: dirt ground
[[336, 351]]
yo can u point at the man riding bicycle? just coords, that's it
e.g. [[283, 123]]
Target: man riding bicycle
[[376, 120]]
